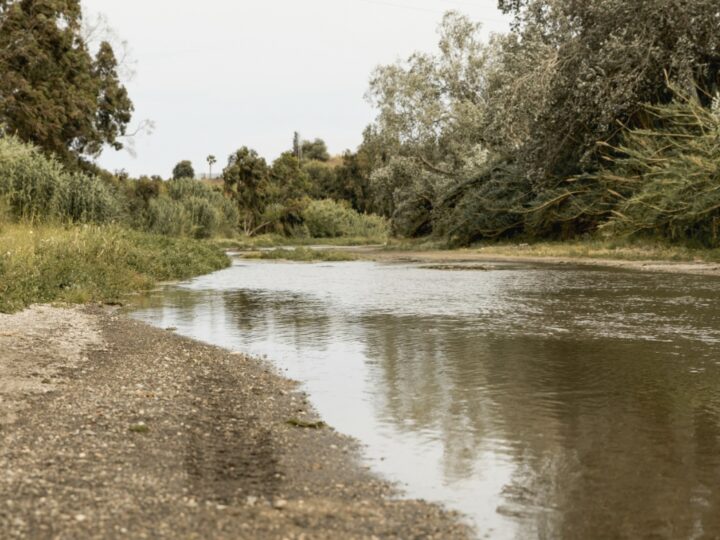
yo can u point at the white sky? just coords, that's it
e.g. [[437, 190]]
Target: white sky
[[218, 74]]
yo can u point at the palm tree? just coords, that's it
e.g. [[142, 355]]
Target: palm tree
[[211, 161]]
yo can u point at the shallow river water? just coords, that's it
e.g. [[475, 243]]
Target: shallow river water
[[540, 401]]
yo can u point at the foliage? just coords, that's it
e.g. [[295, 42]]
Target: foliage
[[499, 139], [38, 188], [184, 169], [211, 160], [247, 180], [352, 181], [315, 150], [488, 204], [92, 263], [167, 217], [53, 92], [430, 112], [193, 209], [81, 198], [304, 254], [597, 63], [331, 219], [666, 179]]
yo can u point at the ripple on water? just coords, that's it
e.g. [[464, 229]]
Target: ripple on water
[[540, 401]]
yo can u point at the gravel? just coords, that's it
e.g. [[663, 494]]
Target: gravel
[[111, 428]]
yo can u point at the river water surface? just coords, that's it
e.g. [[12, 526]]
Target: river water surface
[[540, 401]]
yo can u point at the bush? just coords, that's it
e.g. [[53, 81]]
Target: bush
[[86, 199], [169, 217], [331, 219], [28, 180], [209, 212], [204, 217]]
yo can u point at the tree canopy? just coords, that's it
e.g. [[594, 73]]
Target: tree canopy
[[184, 169], [54, 92], [482, 139]]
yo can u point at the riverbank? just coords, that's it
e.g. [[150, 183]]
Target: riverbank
[[113, 428], [93, 263], [528, 256], [639, 257]]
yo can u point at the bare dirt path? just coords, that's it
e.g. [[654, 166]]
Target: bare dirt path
[[112, 429]]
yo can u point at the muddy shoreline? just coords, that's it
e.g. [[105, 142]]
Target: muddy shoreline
[[112, 428], [379, 254]]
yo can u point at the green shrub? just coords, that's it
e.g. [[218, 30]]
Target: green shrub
[[86, 199], [28, 180], [331, 219], [38, 189], [208, 210], [304, 254], [205, 218], [167, 216]]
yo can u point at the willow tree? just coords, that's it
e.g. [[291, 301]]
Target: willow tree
[[591, 66], [54, 92], [430, 111]]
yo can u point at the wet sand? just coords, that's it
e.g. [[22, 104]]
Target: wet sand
[[459, 256]]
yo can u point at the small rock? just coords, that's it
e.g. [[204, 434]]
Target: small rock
[[280, 504], [80, 518]]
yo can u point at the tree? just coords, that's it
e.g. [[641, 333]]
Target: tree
[[247, 181], [212, 160], [428, 130], [183, 169], [600, 62], [53, 92], [316, 150]]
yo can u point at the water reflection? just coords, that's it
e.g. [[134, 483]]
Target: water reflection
[[542, 402]]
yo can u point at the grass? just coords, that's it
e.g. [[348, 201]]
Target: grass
[[301, 254], [92, 263], [617, 249], [276, 240], [627, 249]]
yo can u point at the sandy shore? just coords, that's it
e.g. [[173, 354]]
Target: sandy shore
[[488, 256], [111, 428]]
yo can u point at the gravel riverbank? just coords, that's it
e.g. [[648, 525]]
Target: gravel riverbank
[[111, 428]]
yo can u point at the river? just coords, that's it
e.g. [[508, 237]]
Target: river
[[540, 401]]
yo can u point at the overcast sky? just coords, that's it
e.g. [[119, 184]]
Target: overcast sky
[[219, 74]]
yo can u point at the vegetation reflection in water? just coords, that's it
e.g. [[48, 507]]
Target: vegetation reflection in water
[[540, 401]]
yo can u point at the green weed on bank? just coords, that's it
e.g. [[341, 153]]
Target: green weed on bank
[[92, 263], [301, 254]]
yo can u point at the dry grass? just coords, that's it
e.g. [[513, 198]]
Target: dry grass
[[604, 249]]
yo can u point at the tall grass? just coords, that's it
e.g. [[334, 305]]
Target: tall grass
[[192, 208], [37, 188], [92, 263]]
